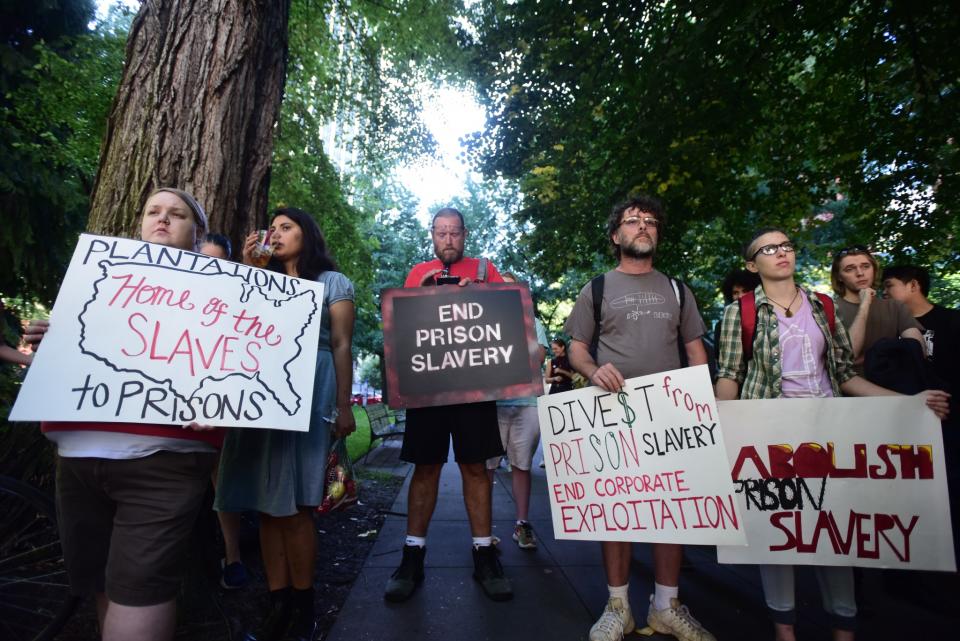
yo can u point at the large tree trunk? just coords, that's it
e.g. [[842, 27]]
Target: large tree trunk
[[196, 109]]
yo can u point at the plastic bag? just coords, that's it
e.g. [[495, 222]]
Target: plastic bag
[[340, 482]]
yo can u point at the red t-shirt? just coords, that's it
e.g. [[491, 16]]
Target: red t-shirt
[[463, 268]]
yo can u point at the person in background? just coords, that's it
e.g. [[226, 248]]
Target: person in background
[[520, 433], [559, 370], [233, 573], [855, 276], [278, 473], [796, 355], [216, 245]]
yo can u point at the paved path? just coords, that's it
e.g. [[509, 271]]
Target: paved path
[[560, 588]]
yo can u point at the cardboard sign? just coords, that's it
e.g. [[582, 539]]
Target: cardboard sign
[[645, 464], [154, 334], [839, 481], [449, 344]]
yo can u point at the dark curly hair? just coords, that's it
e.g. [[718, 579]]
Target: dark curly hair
[[314, 258]]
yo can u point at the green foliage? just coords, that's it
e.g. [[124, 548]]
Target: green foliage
[[736, 115]]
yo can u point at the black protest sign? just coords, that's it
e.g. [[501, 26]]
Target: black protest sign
[[446, 345]]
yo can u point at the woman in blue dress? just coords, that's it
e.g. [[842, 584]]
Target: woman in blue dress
[[280, 474]]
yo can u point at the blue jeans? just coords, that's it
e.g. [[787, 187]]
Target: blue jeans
[[836, 589]]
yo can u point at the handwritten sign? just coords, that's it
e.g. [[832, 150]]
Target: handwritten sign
[[149, 333], [839, 481], [450, 344], [645, 464]]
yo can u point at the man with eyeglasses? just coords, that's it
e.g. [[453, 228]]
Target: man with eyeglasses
[[645, 322], [855, 276], [473, 428]]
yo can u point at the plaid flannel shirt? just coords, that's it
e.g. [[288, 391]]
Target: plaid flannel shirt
[[762, 378]]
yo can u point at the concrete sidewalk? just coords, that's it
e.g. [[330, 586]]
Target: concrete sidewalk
[[560, 588]]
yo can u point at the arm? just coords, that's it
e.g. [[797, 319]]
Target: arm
[[914, 333], [341, 340], [12, 355], [858, 328], [696, 352], [606, 376], [936, 400], [726, 389]]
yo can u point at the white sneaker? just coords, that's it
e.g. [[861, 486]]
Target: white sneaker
[[678, 621], [615, 622]]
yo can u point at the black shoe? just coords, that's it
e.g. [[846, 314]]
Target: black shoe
[[275, 624], [489, 573], [305, 630], [408, 576]]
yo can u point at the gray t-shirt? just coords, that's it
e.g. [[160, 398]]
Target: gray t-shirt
[[888, 318], [639, 319]]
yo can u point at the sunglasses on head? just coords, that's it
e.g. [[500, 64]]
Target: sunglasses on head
[[853, 249]]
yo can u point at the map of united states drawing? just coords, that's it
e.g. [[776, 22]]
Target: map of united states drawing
[[195, 333]]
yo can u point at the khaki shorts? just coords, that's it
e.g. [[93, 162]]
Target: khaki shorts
[[520, 433], [125, 524]]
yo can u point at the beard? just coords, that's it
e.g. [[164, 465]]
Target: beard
[[640, 248]]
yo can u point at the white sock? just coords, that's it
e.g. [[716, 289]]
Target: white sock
[[621, 592], [662, 595], [521, 521], [482, 541], [416, 541]]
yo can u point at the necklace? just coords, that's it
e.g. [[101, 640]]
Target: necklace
[[786, 310]]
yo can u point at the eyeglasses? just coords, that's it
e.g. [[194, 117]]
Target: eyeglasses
[[770, 250], [634, 221], [444, 233], [853, 249]]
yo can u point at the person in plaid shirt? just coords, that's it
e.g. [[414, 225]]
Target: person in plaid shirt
[[795, 353]]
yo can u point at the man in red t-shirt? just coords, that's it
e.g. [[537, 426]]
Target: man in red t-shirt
[[472, 426]]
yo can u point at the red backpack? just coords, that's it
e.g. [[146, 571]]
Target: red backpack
[[748, 320]]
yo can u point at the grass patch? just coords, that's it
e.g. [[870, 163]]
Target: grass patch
[[358, 443]]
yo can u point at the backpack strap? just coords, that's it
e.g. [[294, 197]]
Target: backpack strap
[[482, 271], [748, 324], [596, 290], [831, 311], [679, 290]]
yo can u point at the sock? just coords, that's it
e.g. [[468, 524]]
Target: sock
[[482, 542], [280, 598], [620, 592], [302, 601], [662, 595], [416, 541]]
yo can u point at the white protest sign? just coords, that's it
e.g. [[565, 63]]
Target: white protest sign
[[149, 333], [839, 481], [645, 464]]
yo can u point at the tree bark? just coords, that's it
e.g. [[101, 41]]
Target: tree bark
[[196, 109]]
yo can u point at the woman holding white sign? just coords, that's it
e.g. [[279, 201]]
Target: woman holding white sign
[[280, 474], [781, 341]]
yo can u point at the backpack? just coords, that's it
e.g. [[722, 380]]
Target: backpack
[[596, 287], [748, 320]]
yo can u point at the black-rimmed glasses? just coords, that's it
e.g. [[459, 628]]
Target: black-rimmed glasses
[[770, 250]]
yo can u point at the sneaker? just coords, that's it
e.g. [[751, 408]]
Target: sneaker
[[233, 576], [408, 576], [494, 540], [615, 622], [523, 535], [678, 621], [489, 574]]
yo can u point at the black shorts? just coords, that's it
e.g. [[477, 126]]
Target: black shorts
[[473, 426]]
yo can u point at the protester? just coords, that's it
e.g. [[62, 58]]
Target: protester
[[910, 285], [520, 435], [559, 370], [795, 354], [128, 493], [280, 474], [737, 283], [855, 276], [11, 330], [216, 245], [234, 573], [429, 430], [630, 343]]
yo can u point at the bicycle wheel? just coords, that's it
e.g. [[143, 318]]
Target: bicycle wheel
[[35, 599]]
